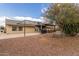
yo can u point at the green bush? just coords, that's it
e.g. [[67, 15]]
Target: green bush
[[70, 29]]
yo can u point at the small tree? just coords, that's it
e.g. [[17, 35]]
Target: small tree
[[66, 16]]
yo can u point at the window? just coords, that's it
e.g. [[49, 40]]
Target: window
[[14, 28], [20, 28]]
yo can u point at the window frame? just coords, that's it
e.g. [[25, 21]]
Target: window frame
[[20, 28], [14, 28]]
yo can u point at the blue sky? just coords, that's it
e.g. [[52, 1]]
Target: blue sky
[[22, 9]]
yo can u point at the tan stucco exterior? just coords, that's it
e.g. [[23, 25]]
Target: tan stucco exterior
[[28, 29], [30, 26], [15, 26]]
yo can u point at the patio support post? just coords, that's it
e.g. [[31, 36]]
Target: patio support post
[[24, 28]]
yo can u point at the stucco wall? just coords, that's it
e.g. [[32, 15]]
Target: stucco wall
[[28, 29], [8, 29]]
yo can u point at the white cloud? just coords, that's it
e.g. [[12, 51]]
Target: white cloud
[[43, 10], [27, 18], [18, 18], [45, 20]]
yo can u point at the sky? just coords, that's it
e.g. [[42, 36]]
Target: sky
[[29, 11]]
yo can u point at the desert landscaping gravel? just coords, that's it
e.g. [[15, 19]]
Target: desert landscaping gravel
[[40, 45]]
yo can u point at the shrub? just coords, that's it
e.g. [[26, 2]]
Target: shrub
[[70, 29]]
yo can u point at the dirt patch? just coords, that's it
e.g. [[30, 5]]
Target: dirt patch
[[40, 45], [44, 41]]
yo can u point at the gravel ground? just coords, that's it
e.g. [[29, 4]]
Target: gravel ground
[[40, 45]]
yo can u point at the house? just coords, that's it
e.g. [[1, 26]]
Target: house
[[27, 26], [17, 26]]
